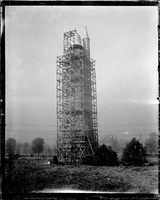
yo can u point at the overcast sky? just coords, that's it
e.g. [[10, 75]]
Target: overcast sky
[[124, 43]]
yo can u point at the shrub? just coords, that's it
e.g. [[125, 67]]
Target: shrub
[[55, 160], [134, 154], [89, 160], [103, 156]]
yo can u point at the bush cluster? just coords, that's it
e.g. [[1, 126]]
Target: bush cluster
[[103, 156], [134, 154]]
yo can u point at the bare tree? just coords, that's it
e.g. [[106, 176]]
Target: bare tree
[[25, 148], [152, 143], [38, 145], [11, 146], [19, 148]]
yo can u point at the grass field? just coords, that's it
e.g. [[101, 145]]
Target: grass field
[[38, 176], [117, 179]]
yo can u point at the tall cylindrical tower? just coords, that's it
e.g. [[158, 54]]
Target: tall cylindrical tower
[[77, 134]]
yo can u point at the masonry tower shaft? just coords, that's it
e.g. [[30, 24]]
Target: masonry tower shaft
[[77, 134]]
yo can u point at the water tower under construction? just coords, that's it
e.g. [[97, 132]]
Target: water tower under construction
[[77, 126]]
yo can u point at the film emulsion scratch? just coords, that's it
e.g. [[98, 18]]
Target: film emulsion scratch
[[81, 102]]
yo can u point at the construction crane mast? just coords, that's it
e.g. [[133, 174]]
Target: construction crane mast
[[77, 126]]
